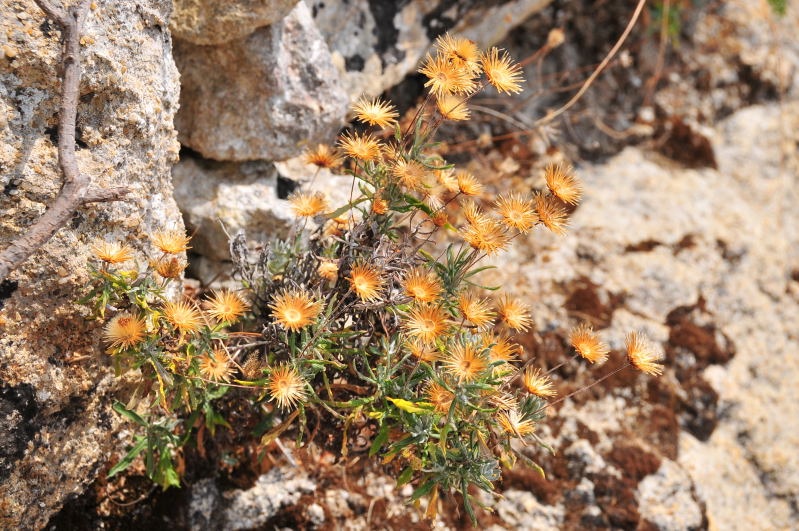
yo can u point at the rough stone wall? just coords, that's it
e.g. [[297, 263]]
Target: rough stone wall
[[56, 383]]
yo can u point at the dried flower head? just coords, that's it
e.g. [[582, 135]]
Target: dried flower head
[[254, 366], [426, 322], [124, 331], [642, 355], [461, 52], [538, 384], [473, 214], [379, 205], [423, 351], [517, 212], [475, 309], [586, 342], [226, 306], [465, 362], [515, 424], [446, 178], [501, 71], [501, 348], [366, 282], [440, 218], [422, 285], [112, 253], [515, 313], [294, 309], [171, 242], [446, 77], [503, 401], [328, 270], [286, 386], [409, 172], [562, 183], [550, 213], [216, 366], [375, 112], [169, 267], [468, 184], [364, 147], [324, 156], [439, 397], [489, 236], [183, 316], [453, 107], [308, 204]]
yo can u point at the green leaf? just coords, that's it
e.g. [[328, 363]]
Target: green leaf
[[382, 437], [128, 459], [120, 408], [425, 488], [405, 476]]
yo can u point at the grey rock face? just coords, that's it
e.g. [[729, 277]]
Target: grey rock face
[[261, 97], [665, 499], [56, 383], [214, 22], [277, 488]]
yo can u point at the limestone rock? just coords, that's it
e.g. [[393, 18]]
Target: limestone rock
[[664, 498], [521, 510], [260, 97], [254, 507], [56, 383], [214, 22]]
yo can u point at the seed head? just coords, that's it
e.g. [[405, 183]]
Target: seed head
[[324, 156], [642, 355], [171, 242], [501, 71], [375, 112], [307, 204], [227, 306], [426, 323], [183, 316], [124, 331], [112, 253], [465, 362], [420, 284], [363, 147], [410, 173], [517, 212], [366, 282], [216, 366], [461, 52], [515, 313], [586, 342], [294, 309], [286, 386], [537, 383], [550, 213], [562, 183]]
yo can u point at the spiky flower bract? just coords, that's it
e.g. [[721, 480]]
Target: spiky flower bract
[[447, 179], [501, 348], [421, 285], [286, 386], [453, 108], [324, 156], [461, 52], [515, 313], [515, 424], [473, 214], [294, 309], [216, 366], [488, 236], [363, 147], [379, 205], [375, 112], [474, 309], [465, 362], [586, 342], [169, 267], [538, 384], [306, 204], [517, 212], [642, 355], [409, 172], [562, 183], [328, 270], [366, 282], [426, 322], [550, 213], [423, 351], [124, 331], [439, 397], [444, 77], [171, 242], [112, 253], [226, 306], [183, 316], [501, 71], [468, 184]]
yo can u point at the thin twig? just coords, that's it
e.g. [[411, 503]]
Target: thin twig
[[75, 192]]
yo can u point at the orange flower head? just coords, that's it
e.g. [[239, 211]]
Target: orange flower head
[[468, 184], [562, 183], [324, 156], [379, 205], [410, 173], [538, 384], [183, 316], [227, 306], [294, 309], [328, 270], [475, 309], [363, 147], [216, 366], [444, 77], [502, 348], [423, 351], [447, 179], [462, 53], [473, 214], [375, 112], [517, 212], [286, 386], [439, 397], [440, 218], [515, 313], [426, 323], [587, 344], [307, 204], [515, 424], [169, 267], [642, 355], [501, 72], [366, 282], [422, 285], [171, 242], [465, 362], [124, 331], [504, 401], [550, 213], [112, 253], [488, 236], [453, 108]]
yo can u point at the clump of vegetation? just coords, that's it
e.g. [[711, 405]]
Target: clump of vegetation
[[360, 316]]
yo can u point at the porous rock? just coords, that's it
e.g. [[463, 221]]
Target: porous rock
[[56, 383], [253, 507], [214, 22]]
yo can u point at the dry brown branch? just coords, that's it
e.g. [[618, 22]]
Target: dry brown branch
[[75, 191]]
